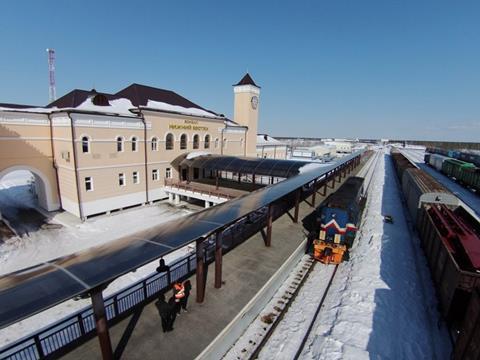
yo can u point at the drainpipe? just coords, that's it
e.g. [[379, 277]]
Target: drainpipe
[[75, 167], [221, 141], [145, 151], [54, 161]]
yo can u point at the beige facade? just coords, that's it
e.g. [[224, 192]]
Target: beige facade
[[96, 160]]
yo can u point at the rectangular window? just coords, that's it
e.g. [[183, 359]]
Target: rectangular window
[[168, 173], [88, 184], [121, 179], [136, 177], [155, 174]]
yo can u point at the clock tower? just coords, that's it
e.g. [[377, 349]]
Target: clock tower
[[245, 112]]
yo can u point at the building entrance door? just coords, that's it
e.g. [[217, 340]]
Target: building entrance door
[[184, 174]]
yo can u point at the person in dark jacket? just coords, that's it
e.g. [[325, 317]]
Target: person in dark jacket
[[164, 312], [187, 288], [172, 312]]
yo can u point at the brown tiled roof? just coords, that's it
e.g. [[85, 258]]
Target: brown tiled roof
[[75, 98], [247, 80], [140, 94]]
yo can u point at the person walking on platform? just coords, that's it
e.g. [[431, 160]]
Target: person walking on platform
[[164, 311], [172, 313], [187, 288], [179, 294]]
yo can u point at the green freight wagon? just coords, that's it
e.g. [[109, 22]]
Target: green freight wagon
[[471, 177], [461, 171]]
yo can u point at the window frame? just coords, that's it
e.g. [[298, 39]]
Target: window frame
[[122, 180], [196, 142], [155, 175], [153, 142], [134, 143], [169, 144], [87, 143], [88, 180], [136, 177], [183, 144], [120, 141], [168, 173], [206, 141]]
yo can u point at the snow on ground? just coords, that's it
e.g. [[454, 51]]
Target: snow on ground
[[381, 303], [47, 244], [466, 195], [15, 189]]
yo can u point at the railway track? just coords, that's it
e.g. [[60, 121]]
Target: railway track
[[367, 173]]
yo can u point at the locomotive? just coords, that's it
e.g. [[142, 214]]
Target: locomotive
[[337, 222]]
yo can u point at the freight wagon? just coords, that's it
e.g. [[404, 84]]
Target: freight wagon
[[468, 342], [450, 240], [437, 160]]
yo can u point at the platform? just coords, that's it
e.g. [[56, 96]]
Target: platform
[[245, 270]]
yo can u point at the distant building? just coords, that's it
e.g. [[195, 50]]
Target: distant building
[[268, 147], [93, 152]]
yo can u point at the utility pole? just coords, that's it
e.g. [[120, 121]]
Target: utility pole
[[51, 74]]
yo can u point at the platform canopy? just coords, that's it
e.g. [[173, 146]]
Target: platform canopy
[[31, 290], [245, 165]]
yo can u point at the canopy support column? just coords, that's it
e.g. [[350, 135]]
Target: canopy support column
[[314, 192], [200, 271], [268, 240], [218, 259], [101, 324], [216, 179], [297, 205]]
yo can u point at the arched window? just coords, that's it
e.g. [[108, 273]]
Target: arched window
[[206, 144], [119, 144], [85, 144], [154, 144], [134, 143], [216, 143], [169, 142], [196, 141], [183, 142]]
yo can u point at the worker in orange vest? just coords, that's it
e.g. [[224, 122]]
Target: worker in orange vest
[[179, 294]]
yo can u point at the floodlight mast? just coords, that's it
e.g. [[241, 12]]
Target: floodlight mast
[[51, 74]]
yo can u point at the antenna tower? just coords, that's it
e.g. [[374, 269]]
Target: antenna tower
[[51, 74]]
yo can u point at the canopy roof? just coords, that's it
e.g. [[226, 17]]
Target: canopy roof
[[244, 165], [29, 291]]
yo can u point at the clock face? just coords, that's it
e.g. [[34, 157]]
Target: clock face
[[254, 102]]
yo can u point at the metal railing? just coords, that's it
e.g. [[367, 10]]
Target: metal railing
[[73, 330], [70, 332], [183, 185]]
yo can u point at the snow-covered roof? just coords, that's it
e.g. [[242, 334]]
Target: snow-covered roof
[[264, 139], [192, 111], [135, 96]]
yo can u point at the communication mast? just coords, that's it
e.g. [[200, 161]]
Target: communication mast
[[51, 74]]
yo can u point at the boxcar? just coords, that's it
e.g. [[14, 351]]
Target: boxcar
[[455, 168], [436, 160], [468, 341], [401, 163], [469, 157], [419, 187], [453, 268]]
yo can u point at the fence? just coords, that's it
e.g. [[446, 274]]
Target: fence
[[65, 334]]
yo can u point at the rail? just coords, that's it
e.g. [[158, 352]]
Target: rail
[[183, 185]]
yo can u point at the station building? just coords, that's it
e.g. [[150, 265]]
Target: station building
[[93, 152]]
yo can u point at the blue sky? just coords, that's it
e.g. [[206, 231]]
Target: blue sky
[[394, 69]]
